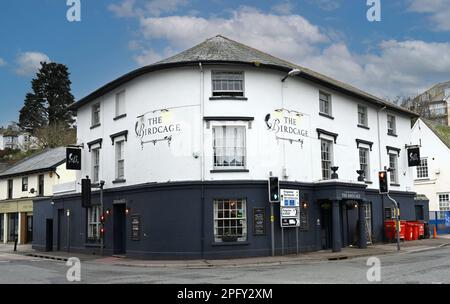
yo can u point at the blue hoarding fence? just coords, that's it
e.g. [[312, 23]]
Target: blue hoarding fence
[[440, 220]]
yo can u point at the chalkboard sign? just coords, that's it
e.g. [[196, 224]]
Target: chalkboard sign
[[135, 227], [259, 221], [304, 225]]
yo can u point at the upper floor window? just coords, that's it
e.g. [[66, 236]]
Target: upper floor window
[[96, 114], [393, 168], [229, 147], [120, 160], [95, 165], [327, 158], [228, 83], [325, 103], [362, 116], [364, 162], [444, 202], [120, 104], [24, 184], [391, 125], [422, 169]]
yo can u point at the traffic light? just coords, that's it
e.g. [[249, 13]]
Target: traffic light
[[383, 180], [274, 189], [102, 232], [86, 193], [102, 218]]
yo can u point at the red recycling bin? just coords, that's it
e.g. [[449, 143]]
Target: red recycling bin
[[402, 229], [409, 231], [415, 231], [389, 230], [421, 230]]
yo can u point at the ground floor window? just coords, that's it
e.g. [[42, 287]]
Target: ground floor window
[[13, 226], [230, 220], [2, 226], [444, 202], [94, 223]]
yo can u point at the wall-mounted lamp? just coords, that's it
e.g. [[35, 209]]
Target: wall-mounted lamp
[[293, 72], [68, 212], [127, 210]]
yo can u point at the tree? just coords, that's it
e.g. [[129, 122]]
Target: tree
[[55, 135], [48, 104]]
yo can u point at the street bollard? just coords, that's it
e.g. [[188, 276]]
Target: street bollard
[[15, 244]]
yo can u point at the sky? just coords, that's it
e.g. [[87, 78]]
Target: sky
[[404, 53]]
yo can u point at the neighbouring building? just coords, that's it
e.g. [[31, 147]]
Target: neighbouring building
[[437, 103], [27, 179], [186, 146], [432, 177], [15, 139]]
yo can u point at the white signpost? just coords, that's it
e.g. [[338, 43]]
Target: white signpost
[[289, 212]]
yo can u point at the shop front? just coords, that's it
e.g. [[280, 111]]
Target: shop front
[[16, 221]]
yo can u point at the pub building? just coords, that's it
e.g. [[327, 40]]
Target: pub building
[[185, 148]]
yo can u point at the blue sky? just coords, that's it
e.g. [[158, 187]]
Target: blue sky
[[404, 53]]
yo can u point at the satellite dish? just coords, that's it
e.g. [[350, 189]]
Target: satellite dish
[[32, 190]]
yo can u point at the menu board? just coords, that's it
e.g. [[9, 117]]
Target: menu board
[[135, 227], [259, 221]]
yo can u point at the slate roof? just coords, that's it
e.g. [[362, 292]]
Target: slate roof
[[442, 132], [44, 161], [222, 50]]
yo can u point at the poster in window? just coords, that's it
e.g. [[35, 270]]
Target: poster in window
[[135, 227], [259, 221]]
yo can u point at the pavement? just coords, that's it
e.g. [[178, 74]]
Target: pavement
[[293, 259]]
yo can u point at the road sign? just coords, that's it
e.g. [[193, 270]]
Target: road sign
[[289, 208]]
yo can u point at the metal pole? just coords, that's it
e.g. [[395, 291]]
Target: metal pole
[[272, 228], [296, 232], [68, 231], [282, 241], [397, 222], [102, 183]]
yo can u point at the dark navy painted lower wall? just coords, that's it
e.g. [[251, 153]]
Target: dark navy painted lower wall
[[177, 219]]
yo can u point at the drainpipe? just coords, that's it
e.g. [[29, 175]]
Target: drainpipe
[[202, 159], [379, 160]]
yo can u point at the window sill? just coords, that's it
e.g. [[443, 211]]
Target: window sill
[[119, 181], [230, 171], [245, 243], [425, 179], [120, 116], [392, 134], [395, 185], [363, 127], [228, 98], [326, 115], [92, 245], [368, 182], [95, 126]]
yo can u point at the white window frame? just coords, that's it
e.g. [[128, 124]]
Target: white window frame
[[25, 184], [232, 221], [367, 164], [444, 201], [422, 171], [326, 170], [393, 175], [120, 109], [228, 92], [391, 124], [220, 149], [93, 223], [95, 164], [327, 102], [120, 159], [364, 113], [368, 217], [96, 110]]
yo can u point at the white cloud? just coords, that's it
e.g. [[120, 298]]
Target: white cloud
[[158, 7], [284, 8], [124, 9], [439, 11], [29, 62], [389, 69], [2, 62]]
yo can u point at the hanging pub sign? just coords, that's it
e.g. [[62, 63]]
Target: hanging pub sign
[[413, 157], [73, 159], [288, 125], [157, 126]]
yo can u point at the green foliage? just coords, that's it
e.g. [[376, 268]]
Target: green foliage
[[48, 104], [11, 156]]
